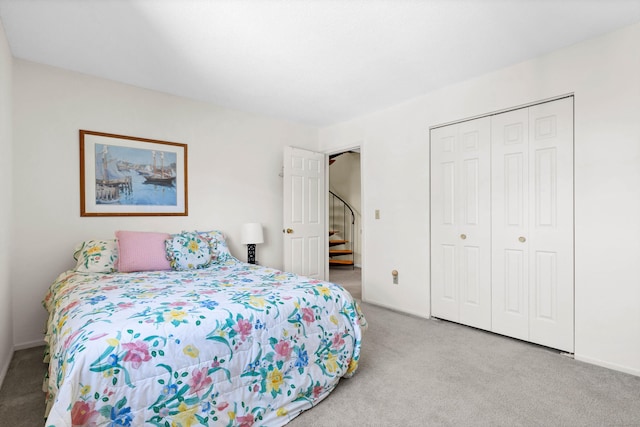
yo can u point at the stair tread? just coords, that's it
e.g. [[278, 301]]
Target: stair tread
[[341, 261], [340, 251], [337, 242]]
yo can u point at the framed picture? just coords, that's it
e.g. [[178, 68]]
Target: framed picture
[[127, 176]]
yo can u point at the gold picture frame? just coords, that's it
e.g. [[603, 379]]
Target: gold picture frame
[[129, 176]]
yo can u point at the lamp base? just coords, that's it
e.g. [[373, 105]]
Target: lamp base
[[251, 253]]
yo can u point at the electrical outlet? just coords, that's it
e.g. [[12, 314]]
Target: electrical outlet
[[377, 213]]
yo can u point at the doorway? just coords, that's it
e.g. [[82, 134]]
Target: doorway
[[345, 246]]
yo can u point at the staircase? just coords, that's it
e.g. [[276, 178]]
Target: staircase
[[341, 231]]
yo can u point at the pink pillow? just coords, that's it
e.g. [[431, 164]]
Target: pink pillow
[[142, 251]]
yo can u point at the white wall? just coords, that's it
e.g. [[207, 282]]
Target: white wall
[[6, 323], [234, 164], [603, 74]]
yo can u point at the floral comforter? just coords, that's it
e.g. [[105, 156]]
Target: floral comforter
[[231, 345]]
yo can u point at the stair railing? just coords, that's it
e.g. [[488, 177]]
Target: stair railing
[[335, 204]]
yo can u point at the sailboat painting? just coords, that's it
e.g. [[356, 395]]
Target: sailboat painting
[[122, 175]]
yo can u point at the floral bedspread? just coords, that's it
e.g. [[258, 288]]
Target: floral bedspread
[[231, 345]]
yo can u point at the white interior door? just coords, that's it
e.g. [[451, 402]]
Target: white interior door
[[474, 200], [304, 216], [551, 291], [460, 223], [510, 223], [445, 299], [532, 222]]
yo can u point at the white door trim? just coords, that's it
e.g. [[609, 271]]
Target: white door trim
[[505, 110]]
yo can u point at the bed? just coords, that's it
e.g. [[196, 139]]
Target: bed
[[210, 342]]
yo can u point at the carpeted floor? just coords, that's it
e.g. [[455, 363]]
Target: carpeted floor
[[417, 372], [21, 396], [349, 278]]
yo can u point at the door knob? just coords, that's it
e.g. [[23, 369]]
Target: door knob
[[463, 236], [288, 231], [522, 239]]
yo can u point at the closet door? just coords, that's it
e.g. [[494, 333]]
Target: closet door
[[532, 224], [460, 223], [510, 223], [551, 292]]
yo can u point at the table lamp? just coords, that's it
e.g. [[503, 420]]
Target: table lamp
[[250, 235]]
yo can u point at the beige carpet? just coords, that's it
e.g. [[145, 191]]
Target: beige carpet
[[349, 278], [21, 396], [417, 372]]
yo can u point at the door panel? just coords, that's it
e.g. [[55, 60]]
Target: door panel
[[545, 287], [448, 171], [475, 223], [305, 233], [297, 199], [514, 176], [296, 246], [314, 269], [460, 223], [444, 224], [514, 284], [470, 189], [545, 196], [313, 213], [449, 274], [532, 223], [510, 204], [469, 284], [551, 244]]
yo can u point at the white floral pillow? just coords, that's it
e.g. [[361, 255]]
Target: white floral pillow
[[188, 251], [96, 256], [220, 250]]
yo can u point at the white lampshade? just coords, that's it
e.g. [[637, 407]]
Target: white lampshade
[[251, 233]]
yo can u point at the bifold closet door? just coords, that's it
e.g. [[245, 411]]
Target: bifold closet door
[[532, 224], [461, 223]]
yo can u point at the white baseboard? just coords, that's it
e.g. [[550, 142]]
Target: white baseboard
[[23, 346], [407, 312], [29, 344], [5, 368], [614, 366]]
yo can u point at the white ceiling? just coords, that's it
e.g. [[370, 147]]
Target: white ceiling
[[318, 62]]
